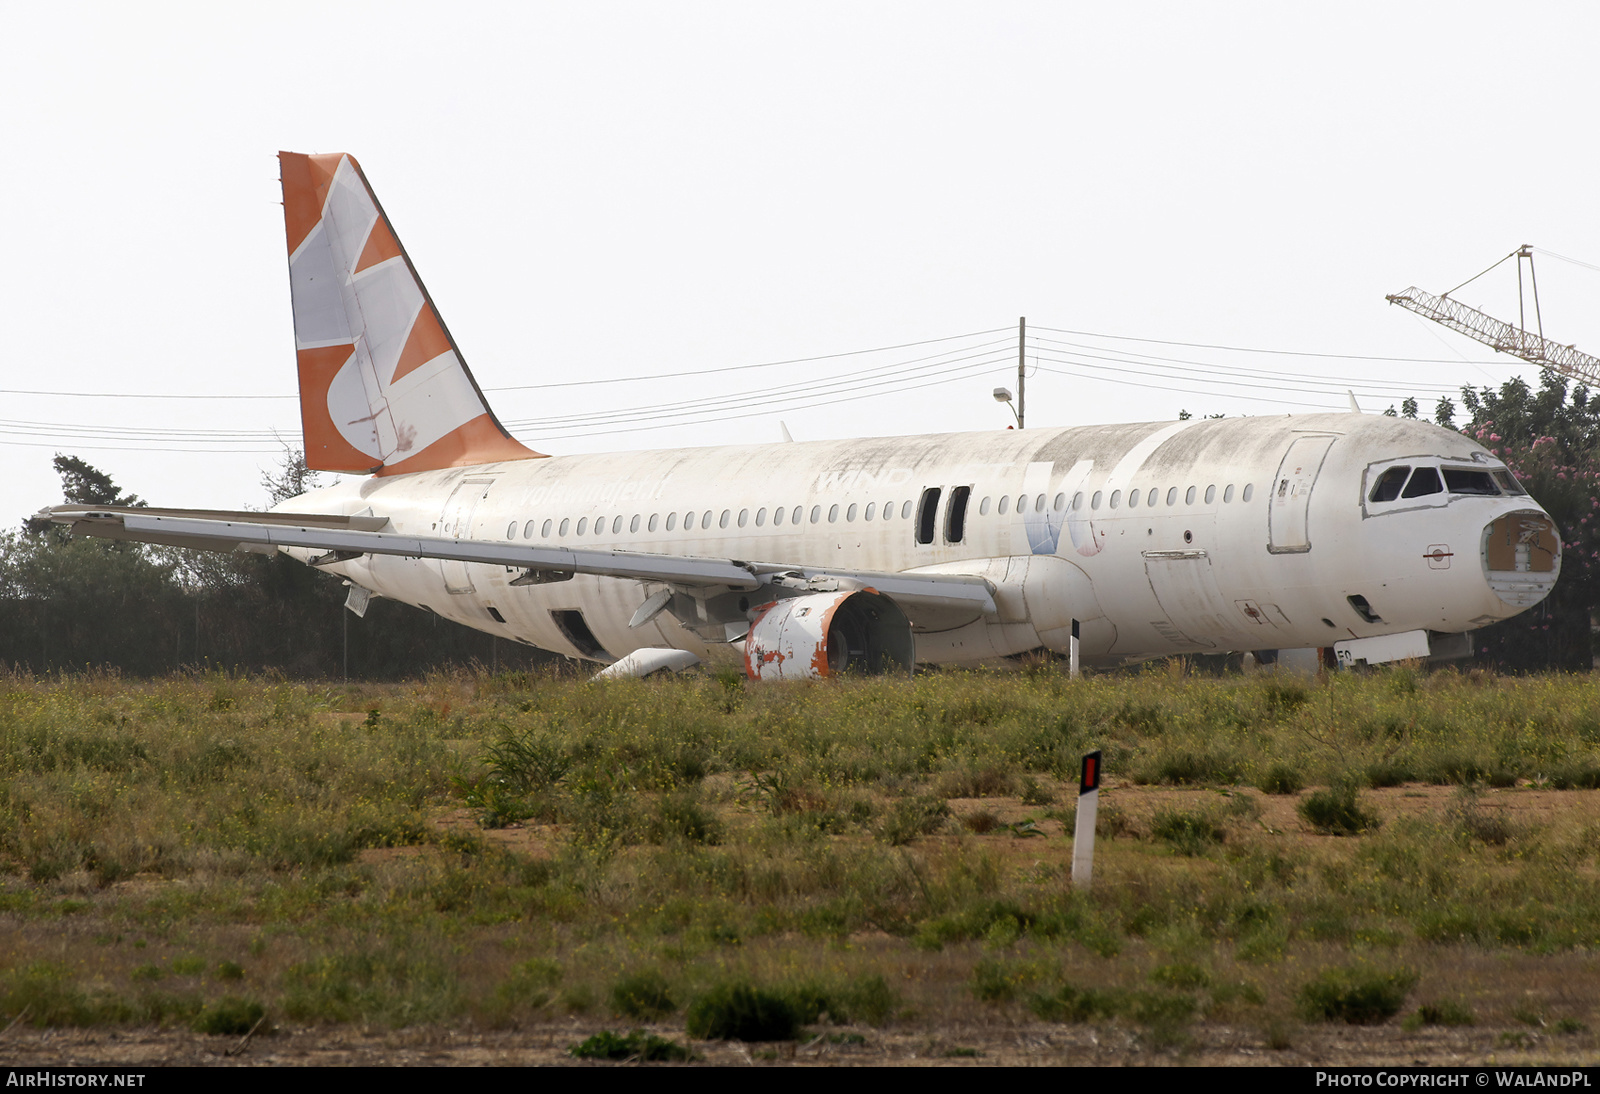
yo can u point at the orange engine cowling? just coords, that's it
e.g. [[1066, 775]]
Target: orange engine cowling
[[828, 634]]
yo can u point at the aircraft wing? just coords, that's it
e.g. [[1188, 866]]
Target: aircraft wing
[[344, 537]]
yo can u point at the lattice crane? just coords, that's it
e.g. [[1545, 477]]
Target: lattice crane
[[1503, 337]]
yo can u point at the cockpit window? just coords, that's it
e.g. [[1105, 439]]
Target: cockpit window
[[1389, 485], [1508, 482], [1425, 481], [1462, 481]]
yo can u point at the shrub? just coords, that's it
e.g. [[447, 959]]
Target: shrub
[[1471, 820], [1071, 1004], [1337, 811], [643, 995], [1281, 778], [912, 817], [1446, 1013], [1360, 997], [1190, 767], [980, 822], [1189, 832], [230, 1015], [1036, 793], [740, 1012], [987, 782], [682, 817], [637, 1045]]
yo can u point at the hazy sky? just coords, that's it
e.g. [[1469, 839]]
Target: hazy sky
[[602, 191]]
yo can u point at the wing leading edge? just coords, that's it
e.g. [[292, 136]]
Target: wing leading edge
[[347, 537]]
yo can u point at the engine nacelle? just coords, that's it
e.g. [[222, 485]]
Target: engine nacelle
[[827, 634]]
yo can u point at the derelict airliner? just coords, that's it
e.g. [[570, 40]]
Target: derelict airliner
[[1383, 538]]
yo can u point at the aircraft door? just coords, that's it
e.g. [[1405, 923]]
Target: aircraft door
[[456, 522], [1288, 506]]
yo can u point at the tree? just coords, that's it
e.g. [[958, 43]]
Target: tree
[[1551, 441], [81, 484], [292, 479]]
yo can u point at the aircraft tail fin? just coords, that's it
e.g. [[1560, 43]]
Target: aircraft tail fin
[[383, 388]]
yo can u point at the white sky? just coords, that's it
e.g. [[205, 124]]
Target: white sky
[[606, 190]]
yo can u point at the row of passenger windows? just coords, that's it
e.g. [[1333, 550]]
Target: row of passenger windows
[[780, 516]]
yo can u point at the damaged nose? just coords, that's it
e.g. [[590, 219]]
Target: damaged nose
[[1521, 557]]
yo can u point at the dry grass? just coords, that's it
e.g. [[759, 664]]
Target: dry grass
[[476, 853]]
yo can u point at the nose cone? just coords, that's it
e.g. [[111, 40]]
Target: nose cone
[[1521, 558]]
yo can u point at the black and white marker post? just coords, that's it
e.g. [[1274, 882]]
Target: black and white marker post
[[1072, 653], [1083, 833]]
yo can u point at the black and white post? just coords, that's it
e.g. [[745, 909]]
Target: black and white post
[[1083, 832], [1072, 653]]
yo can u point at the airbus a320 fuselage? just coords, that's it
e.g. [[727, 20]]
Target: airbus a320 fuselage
[[1379, 537]]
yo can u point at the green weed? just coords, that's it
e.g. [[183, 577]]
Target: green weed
[[1358, 996], [740, 1012], [637, 1045]]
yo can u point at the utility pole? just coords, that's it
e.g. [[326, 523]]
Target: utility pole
[[1022, 371]]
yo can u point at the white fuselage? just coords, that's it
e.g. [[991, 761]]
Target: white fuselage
[[1160, 538]]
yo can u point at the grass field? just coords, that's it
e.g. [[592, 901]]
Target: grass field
[[1345, 869]]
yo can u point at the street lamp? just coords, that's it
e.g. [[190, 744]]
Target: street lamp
[[1003, 395]]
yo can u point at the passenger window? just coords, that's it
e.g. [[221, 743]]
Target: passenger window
[[1211, 494], [1022, 503], [777, 517], [1389, 484], [564, 522], [1038, 504], [1461, 481], [1249, 489], [545, 531], [1116, 498], [1424, 481], [1077, 501], [850, 513], [927, 514], [583, 525], [761, 518], [905, 510], [653, 519], [955, 520], [672, 521], [527, 529], [633, 525], [600, 526], [1094, 502], [1172, 495], [744, 517], [1005, 504], [816, 513], [1227, 494], [511, 532], [723, 522], [833, 514], [872, 507], [983, 507], [688, 521], [616, 525], [1060, 503], [1150, 501], [1133, 499], [1188, 497]]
